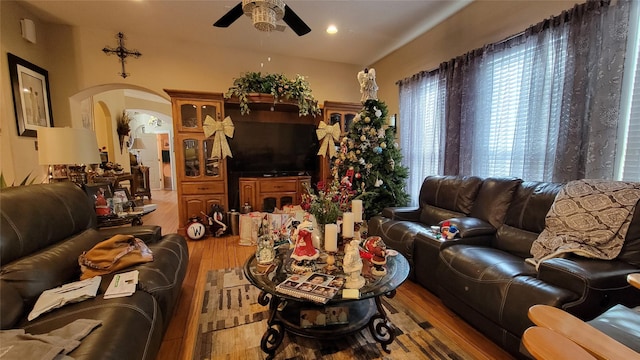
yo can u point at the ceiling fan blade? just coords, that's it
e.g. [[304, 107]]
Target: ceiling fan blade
[[228, 18], [295, 23]]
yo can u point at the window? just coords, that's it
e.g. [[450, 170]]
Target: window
[[516, 122], [629, 162], [422, 100]]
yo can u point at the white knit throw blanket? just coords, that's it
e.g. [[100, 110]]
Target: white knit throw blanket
[[588, 218]]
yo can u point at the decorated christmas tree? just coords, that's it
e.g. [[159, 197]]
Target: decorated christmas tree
[[369, 157]]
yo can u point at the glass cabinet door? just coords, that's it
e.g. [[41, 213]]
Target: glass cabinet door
[[189, 116], [212, 163], [194, 113], [348, 121], [191, 157], [209, 109]]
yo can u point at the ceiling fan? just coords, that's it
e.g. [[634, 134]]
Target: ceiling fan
[[265, 14]]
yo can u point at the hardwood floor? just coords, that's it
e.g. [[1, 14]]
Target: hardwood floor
[[224, 252]]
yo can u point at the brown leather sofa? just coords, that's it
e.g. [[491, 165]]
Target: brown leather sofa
[[43, 230], [482, 275]]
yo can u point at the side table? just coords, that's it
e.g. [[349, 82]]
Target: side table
[[133, 219]]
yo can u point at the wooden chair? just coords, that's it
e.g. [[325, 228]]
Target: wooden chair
[[543, 344], [599, 344]]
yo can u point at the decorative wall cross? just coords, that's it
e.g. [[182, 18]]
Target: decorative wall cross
[[122, 52]]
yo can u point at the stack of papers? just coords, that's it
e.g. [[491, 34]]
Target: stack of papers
[[122, 285], [68, 293]]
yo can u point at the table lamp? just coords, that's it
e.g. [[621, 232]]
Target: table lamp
[[67, 146], [138, 145]]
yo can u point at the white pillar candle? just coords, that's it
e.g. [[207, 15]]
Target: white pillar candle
[[392, 120], [356, 208], [331, 237], [347, 225]]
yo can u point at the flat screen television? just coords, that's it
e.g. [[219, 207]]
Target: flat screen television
[[267, 149]]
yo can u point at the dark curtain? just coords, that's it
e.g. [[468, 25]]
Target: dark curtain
[[580, 101]]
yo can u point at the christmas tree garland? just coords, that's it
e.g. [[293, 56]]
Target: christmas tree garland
[[371, 159]]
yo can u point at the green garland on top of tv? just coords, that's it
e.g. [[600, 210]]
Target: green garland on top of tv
[[277, 85]]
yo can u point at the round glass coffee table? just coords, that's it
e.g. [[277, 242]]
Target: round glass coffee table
[[285, 310]]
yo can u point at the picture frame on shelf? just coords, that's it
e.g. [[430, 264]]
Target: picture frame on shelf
[[123, 193], [31, 96], [59, 172]]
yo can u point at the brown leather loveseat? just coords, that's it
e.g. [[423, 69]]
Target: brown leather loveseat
[[43, 230], [482, 275]]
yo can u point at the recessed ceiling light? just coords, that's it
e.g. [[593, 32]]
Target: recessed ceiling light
[[332, 29]]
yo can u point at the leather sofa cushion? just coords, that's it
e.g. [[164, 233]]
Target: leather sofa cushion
[[131, 327], [443, 197], [622, 324], [49, 268], [41, 215], [630, 251], [471, 227], [493, 200], [525, 218], [514, 240], [399, 235], [530, 205], [480, 275], [11, 306], [524, 292], [163, 277]]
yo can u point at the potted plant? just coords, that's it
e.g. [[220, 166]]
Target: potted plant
[[277, 85]]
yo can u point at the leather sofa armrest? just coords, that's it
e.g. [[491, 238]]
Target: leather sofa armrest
[[581, 275], [473, 241], [402, 213], [147, 233], [470, 227]]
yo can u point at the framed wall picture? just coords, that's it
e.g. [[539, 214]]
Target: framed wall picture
[[31, 98]]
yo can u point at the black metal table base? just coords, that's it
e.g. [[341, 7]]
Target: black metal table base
[[284, 317]]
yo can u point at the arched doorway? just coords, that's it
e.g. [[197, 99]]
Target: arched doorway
[[99, 108]]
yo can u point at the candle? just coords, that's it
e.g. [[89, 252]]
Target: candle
[[392, 120], [331, 237], [356, 208], [347, 225]]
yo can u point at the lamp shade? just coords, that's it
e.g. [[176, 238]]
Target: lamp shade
[[67, 146], [138, 144]]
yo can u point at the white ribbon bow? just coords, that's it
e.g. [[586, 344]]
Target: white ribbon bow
[[328, 135], [220, 131]]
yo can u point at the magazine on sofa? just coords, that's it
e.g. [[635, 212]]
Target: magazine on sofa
[[314, 286]]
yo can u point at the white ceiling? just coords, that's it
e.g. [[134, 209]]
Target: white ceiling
[[367, 30]]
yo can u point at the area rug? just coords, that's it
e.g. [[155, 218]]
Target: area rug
[[232, 323]]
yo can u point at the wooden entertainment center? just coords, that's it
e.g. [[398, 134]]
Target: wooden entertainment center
[[267, 193], [203, 181]]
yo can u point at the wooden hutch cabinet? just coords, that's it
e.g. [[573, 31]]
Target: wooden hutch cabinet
[[201, 179], [337, 113]]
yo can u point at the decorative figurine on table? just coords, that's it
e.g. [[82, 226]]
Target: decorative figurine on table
[[352, 265], [304, 254], [378, 250], [444, 229], [452, 232], [265, 253]]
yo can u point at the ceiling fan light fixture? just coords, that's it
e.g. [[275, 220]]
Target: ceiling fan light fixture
[[264, 13]]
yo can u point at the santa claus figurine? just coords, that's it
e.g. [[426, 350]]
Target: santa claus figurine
[[378, 250], [304, 254]]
